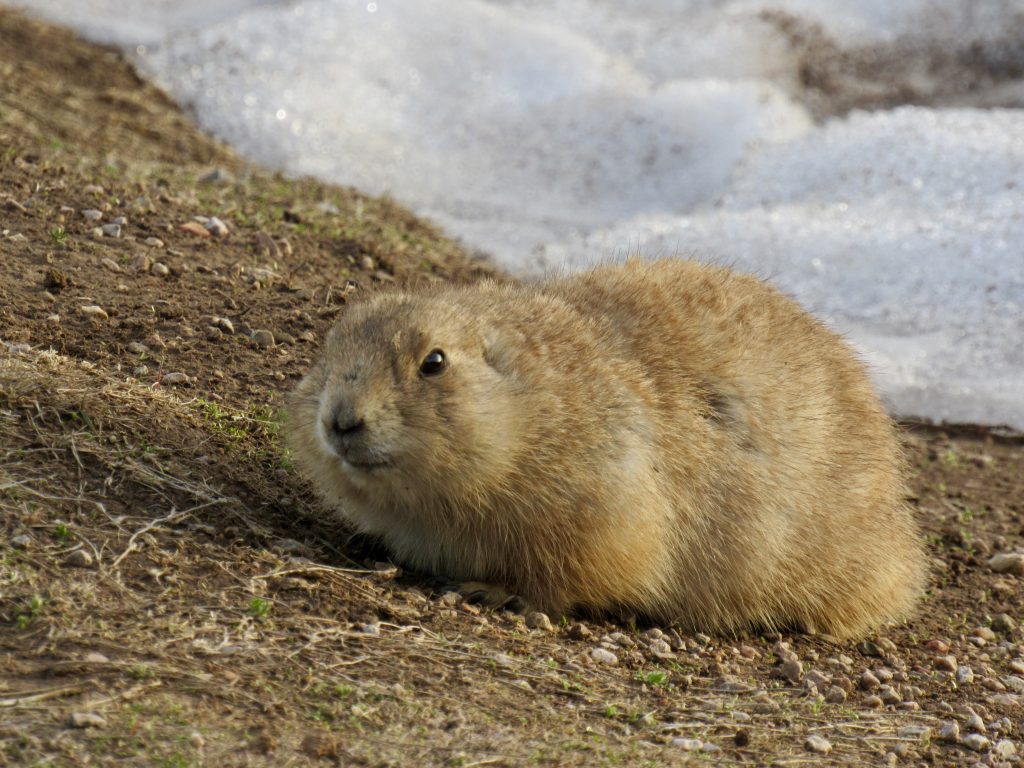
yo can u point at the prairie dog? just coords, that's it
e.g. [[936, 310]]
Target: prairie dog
[[664, 438]]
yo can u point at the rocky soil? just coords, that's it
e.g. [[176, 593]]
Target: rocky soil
[[169, 596]]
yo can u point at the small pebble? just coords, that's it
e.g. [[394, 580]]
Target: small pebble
[[975, 742], [938, 646], [367, 263], [79, 559], [1008, 562], [53, 318], [1014, 683], [196, 740], [660, 648], [92, 189], [946, 663], [889, 695], [121, 220], [87, 720], [792, 670], [580, 632], [110, 264], [159, 269], [868, 682], [1004, 623], [96, 658], [1005, 749], [818, 745], [920, 733], [372, 628], [835, 695], [949, 731], [96, 233], [94, 310], [91, 214], [538, 620], [1017, 665], [174, 378], [975, 723], [194, 228], [873, 702], [604, 656], [111, 230], [154, 242], [216, 227], [21, 541], [964, 675], [225, 324], [690, 745], [985, 634], [217, 176], [137, 348], [263, 338]]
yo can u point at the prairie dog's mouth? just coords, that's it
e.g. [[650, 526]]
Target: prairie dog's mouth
[[364, 465]]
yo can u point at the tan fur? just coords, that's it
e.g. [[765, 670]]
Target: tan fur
[[666, 438]]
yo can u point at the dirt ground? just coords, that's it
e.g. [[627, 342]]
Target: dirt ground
[[169, 598]]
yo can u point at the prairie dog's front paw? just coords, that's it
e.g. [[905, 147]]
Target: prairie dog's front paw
[[490, 596]]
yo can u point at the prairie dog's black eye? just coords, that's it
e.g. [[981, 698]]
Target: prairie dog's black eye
[[433, 363]]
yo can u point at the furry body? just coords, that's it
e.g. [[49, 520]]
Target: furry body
[[669, 439]]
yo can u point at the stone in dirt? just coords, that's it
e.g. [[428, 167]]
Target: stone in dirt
[[175, 378], [604, 656], [792, 670], [263, 338], [194, 228], [818, 744], [216, 227], [975, 742], [79, 559], [92, 310], [538, 620], [87, 720], [1008, 562]]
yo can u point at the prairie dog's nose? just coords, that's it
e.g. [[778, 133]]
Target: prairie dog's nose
[[345, 423]]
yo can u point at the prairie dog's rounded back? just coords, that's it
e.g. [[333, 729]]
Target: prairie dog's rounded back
[[663, 438]]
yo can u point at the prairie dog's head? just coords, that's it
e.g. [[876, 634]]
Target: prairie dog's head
[[407, 407]]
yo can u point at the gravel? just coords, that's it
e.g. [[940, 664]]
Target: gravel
[[975, 742], [819, 745], [87, 720], [91, 214], [792, 670], [538, 620], [263, 338], [176, 378], [94, 310], [79, 559], [604, 656], [1011, 562], [111, 230], [216, 227]]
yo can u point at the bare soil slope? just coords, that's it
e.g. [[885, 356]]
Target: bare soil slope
[[167, 596]]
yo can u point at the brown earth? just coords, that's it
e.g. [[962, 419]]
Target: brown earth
[[168, 596]]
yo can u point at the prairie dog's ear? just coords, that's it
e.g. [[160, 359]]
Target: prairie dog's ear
[[501, 347]]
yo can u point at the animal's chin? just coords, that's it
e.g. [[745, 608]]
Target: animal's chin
[[363, 466]]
